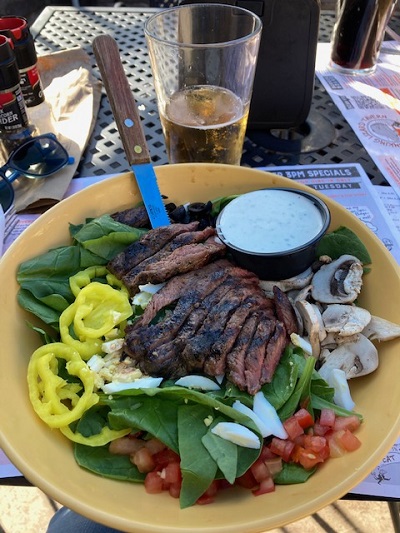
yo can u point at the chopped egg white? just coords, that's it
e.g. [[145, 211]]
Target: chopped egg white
[[236, 433], [197, 382], [267, 412]]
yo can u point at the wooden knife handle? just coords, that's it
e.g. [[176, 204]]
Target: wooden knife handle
[[121, 99]]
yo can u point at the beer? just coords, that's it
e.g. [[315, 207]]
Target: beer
[[204, 123]]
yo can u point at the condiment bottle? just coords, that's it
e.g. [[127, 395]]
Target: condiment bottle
[[17, 29], [14, 123]]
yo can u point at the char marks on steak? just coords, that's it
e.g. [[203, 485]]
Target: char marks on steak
[[135, 217], [285, 311], [210, 316], [183, 259], [149, 244]]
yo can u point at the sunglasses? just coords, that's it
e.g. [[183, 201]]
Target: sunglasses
[[38, 157]]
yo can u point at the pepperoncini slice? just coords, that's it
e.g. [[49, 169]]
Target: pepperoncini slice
[[97, 310], [84, 277], [105, 436], [55, 400]]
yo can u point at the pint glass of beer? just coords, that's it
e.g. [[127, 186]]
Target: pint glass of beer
[[358, 34], [203, 58]]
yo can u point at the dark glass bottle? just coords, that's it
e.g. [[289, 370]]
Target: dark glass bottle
[[17, 29]]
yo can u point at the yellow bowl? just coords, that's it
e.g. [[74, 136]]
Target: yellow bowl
[[45, 457]]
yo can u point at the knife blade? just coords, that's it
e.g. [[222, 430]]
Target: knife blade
[[127, 118]]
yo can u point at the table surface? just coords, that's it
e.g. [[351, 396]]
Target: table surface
[[62, 27]]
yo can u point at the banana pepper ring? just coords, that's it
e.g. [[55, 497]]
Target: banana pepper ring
[[55, 400], [105, 436], [84, 277], [98, 308]]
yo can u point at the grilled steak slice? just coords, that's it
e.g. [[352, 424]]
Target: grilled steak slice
[[175, 347], [183, 239], [199, 347], [181, 260], [255, 356], [136, 217], [140, 338], [285, 311], [235, 367], [274, 351], [146, 246], [253, 299], [179, 285]]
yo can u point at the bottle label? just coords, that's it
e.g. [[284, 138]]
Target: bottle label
[[31, 86], [13, 114]]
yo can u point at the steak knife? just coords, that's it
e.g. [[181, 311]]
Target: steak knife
[[129, 125]]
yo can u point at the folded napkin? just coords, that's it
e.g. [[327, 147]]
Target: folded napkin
[[72, 100]]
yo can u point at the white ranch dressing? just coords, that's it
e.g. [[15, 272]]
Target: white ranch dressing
[[270, 220]]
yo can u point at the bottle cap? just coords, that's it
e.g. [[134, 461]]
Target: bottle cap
[[17, 29], [9, 75]]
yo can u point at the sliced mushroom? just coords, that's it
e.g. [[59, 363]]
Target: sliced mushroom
[[296, 282], [354, 358], [381, 329], [339, 281], [313, 324], [345, 320], [333, 340]]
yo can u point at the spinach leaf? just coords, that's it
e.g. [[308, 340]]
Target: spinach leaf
[[301, 390], [321, 403], [284, 381], [44, 280], [224, 452], [100, 461], [157, 416], [292, 473], [343, 241], [197, 466]]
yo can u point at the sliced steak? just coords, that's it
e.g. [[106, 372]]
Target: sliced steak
[[135, 217], [255, 356], [235, 367], [274, 351], [175, 347], [254, 300], [183, 239], [285, 311], [178, 285], [146, 246], [184, 259]]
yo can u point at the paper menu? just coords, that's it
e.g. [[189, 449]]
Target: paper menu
[[371, 105]]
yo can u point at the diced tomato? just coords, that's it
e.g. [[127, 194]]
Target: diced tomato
[[319, 429], [175, 490], [327, 418], [143, 460], [267, 454], [166, 456], [335, 448], [304, 418], [153, 483], [172, 473], [260, 470], [351, 423], [267, 485], [314, 443], [209, 495], [282, 447], [274, 465], [246, 480], [293, 428], [347, 440], [308, 459]]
